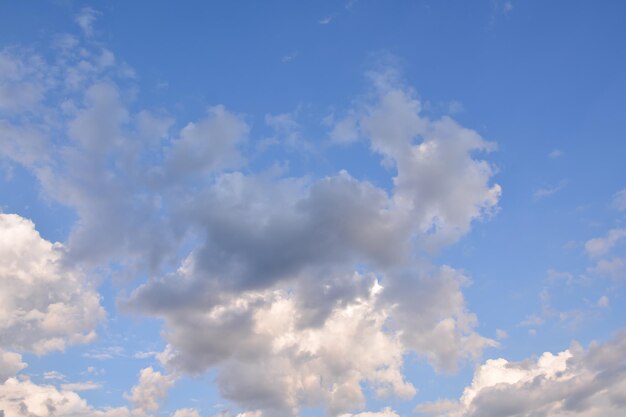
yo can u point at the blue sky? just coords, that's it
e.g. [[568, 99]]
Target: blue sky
[[345, 208]]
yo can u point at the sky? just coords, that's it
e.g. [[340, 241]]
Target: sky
[[354, 208]]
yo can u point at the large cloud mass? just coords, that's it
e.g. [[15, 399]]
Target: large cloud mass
[[299, 291]]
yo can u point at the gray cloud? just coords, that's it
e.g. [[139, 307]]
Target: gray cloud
[[573, 383], [310, 288]]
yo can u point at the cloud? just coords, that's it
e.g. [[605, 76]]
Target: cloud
[[555, 153], [603, 301], [548, 191], [619, 200], [609, 262], [430, 313], [288, 132], [507, 7], [387, 412], [186, 412], [437, 180], [345, 131], [273, 282], [81, 386], [268, 360], [85, 20], [289, 57], [298, 291], [22, 81], [10, 364], [44, 303], [326, 20], [53, 375], [602, 245], [500, 7], [149, 391], [572, 383], [208, 145], [25, 398], [102, 354]]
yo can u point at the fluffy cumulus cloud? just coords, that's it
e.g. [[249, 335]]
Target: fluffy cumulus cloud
[[10, 364], [438, 181], [283, 262], [44, 303], [299, 291], [269, 360], [274, 283], [21, 398], [572, 383], [149, 391]]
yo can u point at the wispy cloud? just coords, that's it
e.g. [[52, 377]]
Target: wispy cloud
[[548, 191], [348, 6], [85, 20], [104, 353], [289, 57], [619, 200], [555, 153], [54, 375], [81, 386], [326, 20]]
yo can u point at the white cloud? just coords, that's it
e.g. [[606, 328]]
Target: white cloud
[[555, 153], [619, 200], [20, 398], [507, 7], [186, 412], [326, 20], [44, 303], [387, 412], [572, 383], [22, 81], [548, 191], [267, 360], [278, 350], [289, 57], [53, 375], [438, 182], [288, 132], [10, 364], [85, 20], [271, 260], [145, 355], [603, 301], [104, 353], [602, 249], [613, 267], [345, 131], [602, 245], [81, 386], [149, 391]]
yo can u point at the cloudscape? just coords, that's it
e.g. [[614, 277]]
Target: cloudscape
[[301, 209]]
